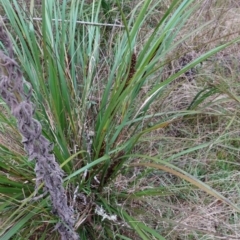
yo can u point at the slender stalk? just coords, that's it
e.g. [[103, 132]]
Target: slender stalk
[[77, 21]]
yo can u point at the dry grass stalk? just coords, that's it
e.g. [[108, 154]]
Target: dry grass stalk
[[35, 144]]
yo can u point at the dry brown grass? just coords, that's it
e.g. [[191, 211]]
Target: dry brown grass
[[185, 212], [9, 136]]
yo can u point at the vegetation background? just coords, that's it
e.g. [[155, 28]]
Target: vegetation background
[[143, 112]]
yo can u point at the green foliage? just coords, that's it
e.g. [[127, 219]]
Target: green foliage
[[87, 83]]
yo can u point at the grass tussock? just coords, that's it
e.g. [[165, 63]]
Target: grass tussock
[[144, 118]]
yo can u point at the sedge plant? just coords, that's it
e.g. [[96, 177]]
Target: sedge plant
[[87, 82]]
